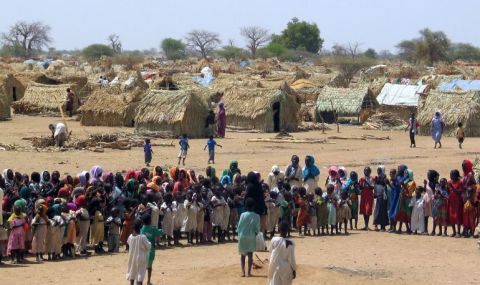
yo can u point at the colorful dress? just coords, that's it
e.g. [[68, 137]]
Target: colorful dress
[[151, 233], [353, 192], [302, 218], [404, 208], [440, 209], [17, 233], [332, 210], [469, 215], [322, 212], [455, 202], [366, 199]]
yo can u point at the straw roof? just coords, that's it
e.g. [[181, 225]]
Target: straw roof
[[345, 101], [252, 107], [174, 111], [455, 107], [106, 108], [43, 99]]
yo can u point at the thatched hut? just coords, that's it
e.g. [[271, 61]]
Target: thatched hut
[[174, 111], [108, 108], [455, 107], [5, 112], [43, 99], [11, 88], [263, 109], [358, 103], [401, 100]]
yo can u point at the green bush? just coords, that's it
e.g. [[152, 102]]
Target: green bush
[[96, 51]]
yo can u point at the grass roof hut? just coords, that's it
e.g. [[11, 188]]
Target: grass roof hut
[[346, 103], [43, 99], [173, 111], [455, 107], [263, 109], [401, 100], [105, 107]]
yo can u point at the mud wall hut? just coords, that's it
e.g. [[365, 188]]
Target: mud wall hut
[[43, 99], [401, 100], [11, 88], [263, 109], [455, 107], [5, 112], [173, 111], [358, 103]]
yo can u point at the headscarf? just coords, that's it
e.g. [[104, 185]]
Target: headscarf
[[211, 173], [221, 106], [467, 167], [409, 178], [76, 181], [130, 175], [107, 177], [225, 180], [64, 192], [333, 169], [275, 168], [342, 168], [350, 181], [152, 185], [95, 173], [382, 169], [192, 177], [81, 201], [310, 168], [295, 161], [22, 204], [57, 209], [82, 177], [233, 168], [71, 206], [174, 173]]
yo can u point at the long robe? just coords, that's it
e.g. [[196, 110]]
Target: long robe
[[380, 214], [282, 262], [366, 196], [455, 203], [139, 247], [248, 227], [394, 201], [417, 223], [222, 122]]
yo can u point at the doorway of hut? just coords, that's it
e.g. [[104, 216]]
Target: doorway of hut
[[14, 94], [276, 117]]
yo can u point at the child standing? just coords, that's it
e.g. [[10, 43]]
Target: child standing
[[137, 255], [151, 233], [351, 186], [147, 149], [343, 212], [460, 135], [312, 212], [332, 208], [366, 193], [190, 222], [469, 214], [39, 227], [16, 242], [273, 213], [286, 208], [322, 211], [211, 143], [303, 219], [440, 208], [114, 223], [168, 212], [417, 224], [184, 146]]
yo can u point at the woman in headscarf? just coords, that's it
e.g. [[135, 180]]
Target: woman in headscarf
[[9, 179], [254, 190], [222, 120], [275, 176], [352, 189], [107, 177], [225, 180], [396, 179], [404, 208], [468, 175], [311, 175], [455, 202], [34, 186], [334, 179], [380, 215], [366, 193], [83, 178], [233, 168], [96, 174], [211, 173], [293, 173], [437, 129], [342, 174]]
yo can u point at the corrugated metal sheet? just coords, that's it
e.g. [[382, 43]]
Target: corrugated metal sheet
[[458, 84]]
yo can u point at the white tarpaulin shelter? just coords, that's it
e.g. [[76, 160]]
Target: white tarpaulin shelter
[[400, 95]]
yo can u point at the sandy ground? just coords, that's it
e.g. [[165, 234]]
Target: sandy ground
[[360, 258]]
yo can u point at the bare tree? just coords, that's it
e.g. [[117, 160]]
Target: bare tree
[[28, 36], [353, 49], [255, 37], [115, 43], [202, 41]]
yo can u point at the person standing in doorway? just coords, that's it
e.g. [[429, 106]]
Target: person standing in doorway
[[437, 129], [413, 129], [69, 106], [222, 120]]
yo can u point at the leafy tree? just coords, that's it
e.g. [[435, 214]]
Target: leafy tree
[[203, 42], [300, 35], [276, 49], [255, 37], [115, 43], [96, 51], [231, 52], [13, 51], [129, 59], [429, 48], [462, 51], [173, 49], [30, 37], [370, 53], [349, 67]]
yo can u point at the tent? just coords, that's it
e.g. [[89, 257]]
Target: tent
[[455, 107], [458, 84], [401, 100], [346, 102]]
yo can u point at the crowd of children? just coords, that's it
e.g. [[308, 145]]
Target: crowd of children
[[59, 218]]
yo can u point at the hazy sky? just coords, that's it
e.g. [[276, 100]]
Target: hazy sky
[[142, 24]]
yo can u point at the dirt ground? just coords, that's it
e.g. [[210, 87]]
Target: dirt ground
[[360, 258]]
